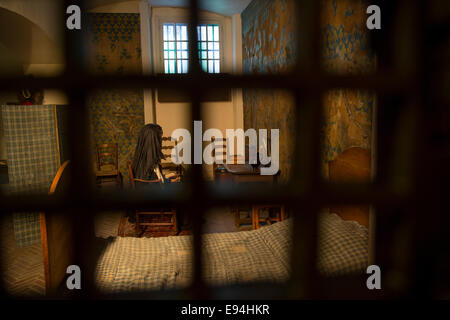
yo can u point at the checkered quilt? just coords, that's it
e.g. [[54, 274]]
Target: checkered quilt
[[229, 258], [33, 160]]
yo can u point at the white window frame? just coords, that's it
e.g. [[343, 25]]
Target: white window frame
[[180, 15], [176, 48]]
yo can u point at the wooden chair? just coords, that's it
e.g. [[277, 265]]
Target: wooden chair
[[108, 164], [219, 153], [169, 168], [157, 218], [280, 214], [222, 155]]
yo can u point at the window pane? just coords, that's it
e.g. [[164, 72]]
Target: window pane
[[184, 45], [185, 66], [171, 66], [178, 32], [216, 45], [204, 65], [179, 66], [210, 33], [171, 54], [184, 55], [210, 55], [216, 33], [166, 54], [210, 66], [184, 32], [210, 46], [166, 66], [171, 45], [216, 55], [165, 37], [170, 32], [203, 55], [203, 33], [217, 66]]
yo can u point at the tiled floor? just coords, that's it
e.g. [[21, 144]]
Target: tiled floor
[[107, 224], [22, 268], [218, 220]]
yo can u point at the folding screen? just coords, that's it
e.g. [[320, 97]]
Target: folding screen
[[33, 155]]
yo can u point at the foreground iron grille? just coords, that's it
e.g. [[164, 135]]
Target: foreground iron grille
[[305, 195]]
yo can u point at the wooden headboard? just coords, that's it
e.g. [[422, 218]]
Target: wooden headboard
[[352, 165], [56, 237]]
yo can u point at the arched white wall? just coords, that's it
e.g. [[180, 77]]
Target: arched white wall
[[29, 44], [35, 42], [43, 13]]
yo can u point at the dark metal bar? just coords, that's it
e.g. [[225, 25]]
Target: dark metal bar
[[80, 169], [196, 205], [422, 245], [306, 156], [310, 83], [329, 193]]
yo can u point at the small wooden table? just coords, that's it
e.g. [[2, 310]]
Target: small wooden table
[[246, 173]]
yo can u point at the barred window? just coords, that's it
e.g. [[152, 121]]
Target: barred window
[[176, 52], [209, 47], [176, 47]]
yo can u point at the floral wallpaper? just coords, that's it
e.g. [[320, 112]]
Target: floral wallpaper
[[269, 39], [116, 115]]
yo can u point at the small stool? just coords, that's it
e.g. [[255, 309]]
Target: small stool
[[238, 221], [279, 216]]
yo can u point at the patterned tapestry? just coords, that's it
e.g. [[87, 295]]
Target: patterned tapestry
[[33, 159], [269, 46], [116, 116], [348, 113]]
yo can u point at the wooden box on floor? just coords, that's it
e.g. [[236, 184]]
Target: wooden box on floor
[[164, 220]]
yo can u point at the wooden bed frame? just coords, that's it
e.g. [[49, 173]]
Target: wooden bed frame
[[56, 238], [352, 165]]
